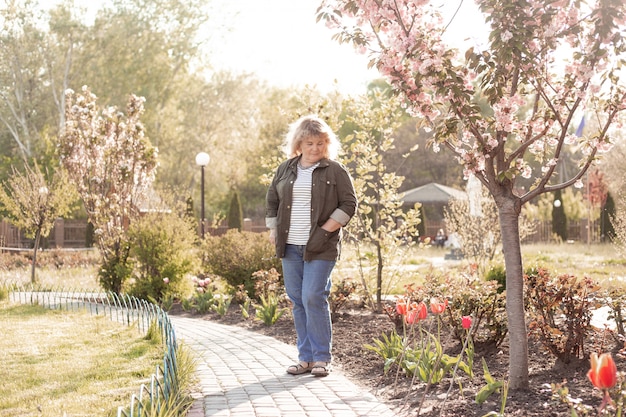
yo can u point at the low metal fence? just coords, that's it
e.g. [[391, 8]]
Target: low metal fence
[[125, 309]]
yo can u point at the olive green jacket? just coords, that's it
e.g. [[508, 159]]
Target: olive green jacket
[[332, 196]]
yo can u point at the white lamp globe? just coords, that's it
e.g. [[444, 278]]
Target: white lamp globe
[[202, 159]]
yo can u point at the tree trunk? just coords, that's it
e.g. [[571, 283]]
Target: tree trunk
[[379, 278], [32, 270], [509, 210]]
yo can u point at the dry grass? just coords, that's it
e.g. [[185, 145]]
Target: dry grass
[[84, 277], [58, 363]]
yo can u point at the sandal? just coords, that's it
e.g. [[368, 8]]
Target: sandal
[[320, 369], [300, 368]]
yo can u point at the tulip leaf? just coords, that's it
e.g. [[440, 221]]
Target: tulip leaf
[[488, 378], [487, 390]]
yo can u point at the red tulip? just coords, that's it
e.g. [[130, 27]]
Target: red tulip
[[603, 372], [466, 322], [438, 307], [417, 312], [401, 306]]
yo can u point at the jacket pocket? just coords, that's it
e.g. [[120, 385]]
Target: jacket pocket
[[318, 242]]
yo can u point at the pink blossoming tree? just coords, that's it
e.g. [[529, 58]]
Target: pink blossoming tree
[[113, 164], [508, 111]]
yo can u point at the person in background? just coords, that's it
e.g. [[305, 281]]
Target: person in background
[[440, 238], [310, 199]]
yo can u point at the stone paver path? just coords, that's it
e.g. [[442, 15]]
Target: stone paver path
[[242, 374]]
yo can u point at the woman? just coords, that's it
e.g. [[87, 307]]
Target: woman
[[308, 202]]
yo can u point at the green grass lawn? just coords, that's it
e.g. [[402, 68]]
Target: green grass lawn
[[57, 363], [601, 262]]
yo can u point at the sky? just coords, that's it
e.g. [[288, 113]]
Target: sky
[[281, 42]]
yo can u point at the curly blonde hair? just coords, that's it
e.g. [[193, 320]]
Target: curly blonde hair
[[306, 127]]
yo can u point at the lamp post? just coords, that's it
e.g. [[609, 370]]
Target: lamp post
[[202, 159]]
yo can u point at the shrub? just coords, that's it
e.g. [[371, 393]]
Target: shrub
[[11, 261], [51, 258], [559, 309], [468, 295], [267, 283], [162, 248], [341, 294], [115, 270], [235, 256]]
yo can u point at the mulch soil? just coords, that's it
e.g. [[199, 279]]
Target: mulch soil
[[355, 327]]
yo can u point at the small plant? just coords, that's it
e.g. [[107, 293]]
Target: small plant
[[245, 309], [204, 301], [244, 301], [340, 295], [419, 353], [187, 304], [167, 302], [222, 302], [492, 386], [266, 282], [428, 362], [388, 347], [560, 394], [614, 296], [560, 311], [466, 323], [269, 311], [153, 334], [205, 295]]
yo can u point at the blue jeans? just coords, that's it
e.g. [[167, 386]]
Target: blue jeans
[[308, 286]]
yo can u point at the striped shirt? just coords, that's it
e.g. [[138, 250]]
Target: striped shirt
[[300, 226]]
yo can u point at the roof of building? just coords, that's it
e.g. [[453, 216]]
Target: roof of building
[[432, 193]]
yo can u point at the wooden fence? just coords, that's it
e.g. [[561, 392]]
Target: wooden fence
[[73, 233], [65, 234]]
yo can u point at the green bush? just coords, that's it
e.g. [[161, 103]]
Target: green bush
[[497, 273], [163, 252], [236, 255], [115, 269]]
